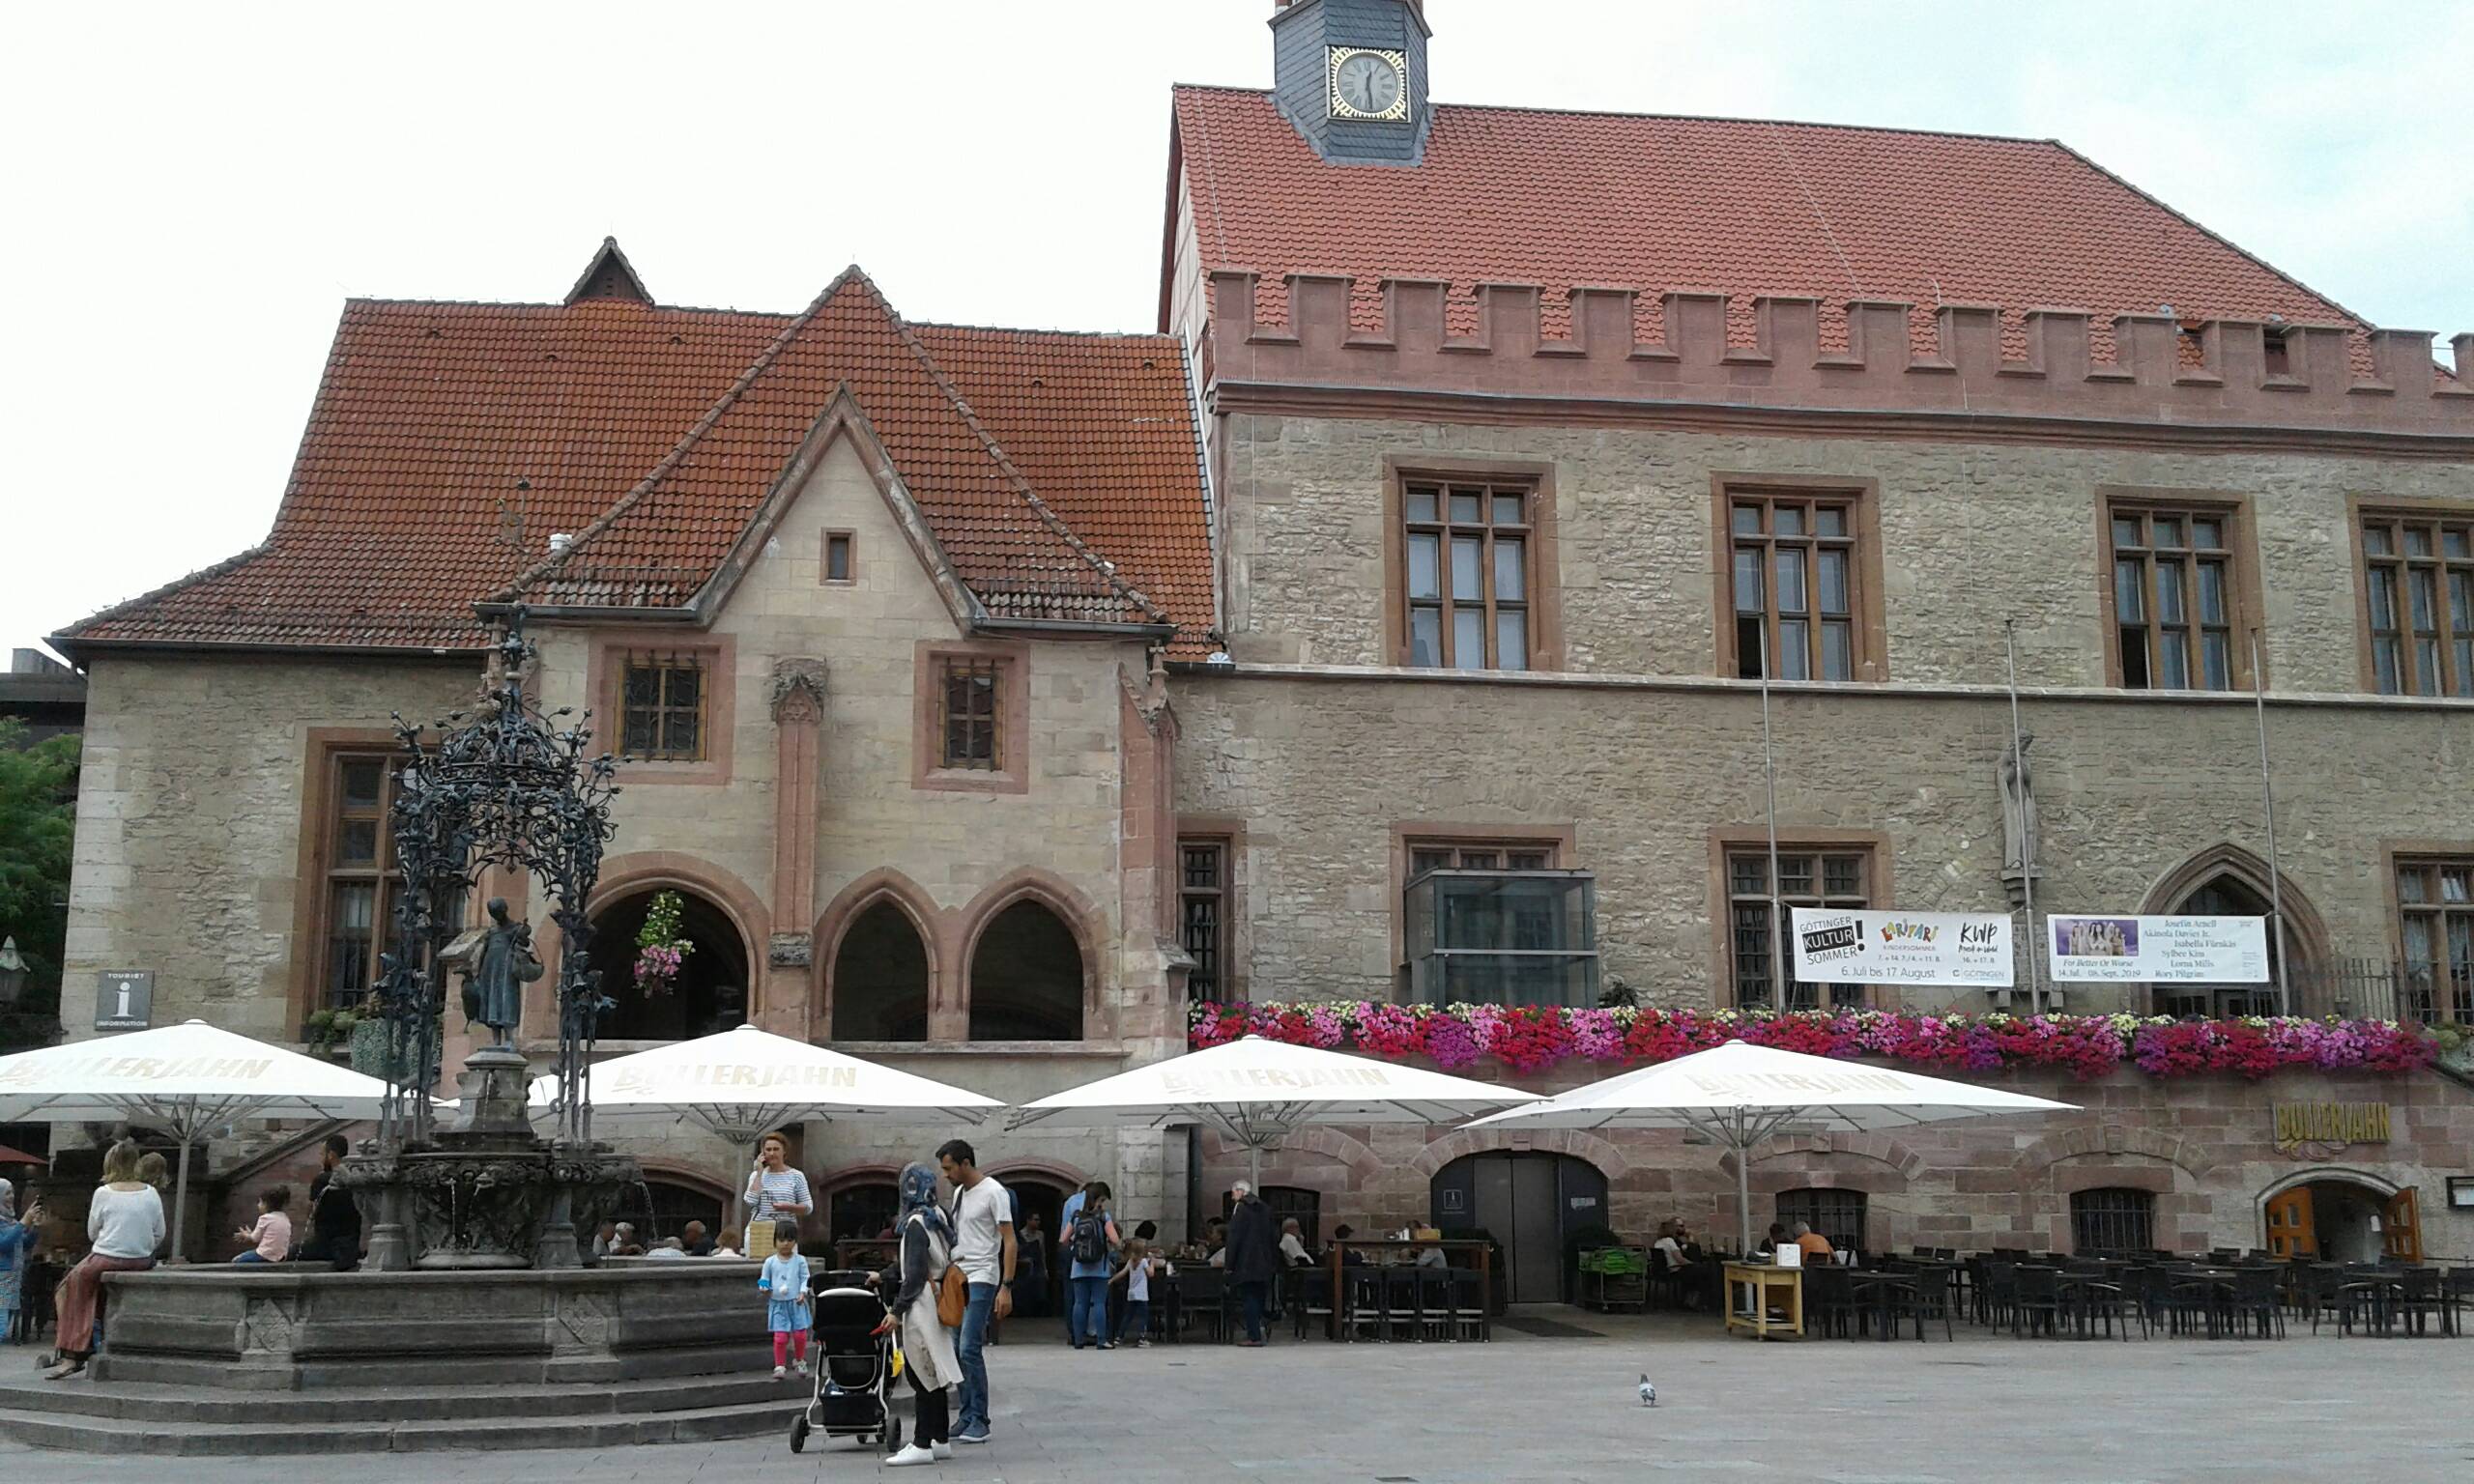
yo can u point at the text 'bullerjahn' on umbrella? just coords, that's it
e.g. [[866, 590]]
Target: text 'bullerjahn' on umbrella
[[1254, 1092], [743, 1083], [1739, 1093], [185, 1079]]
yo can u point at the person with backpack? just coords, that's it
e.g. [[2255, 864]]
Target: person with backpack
[[1090, 1237]]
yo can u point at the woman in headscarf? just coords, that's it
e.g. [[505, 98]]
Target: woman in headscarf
[[16, 1241], [927, 1347]]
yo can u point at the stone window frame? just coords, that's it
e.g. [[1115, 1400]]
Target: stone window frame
[[849, 540], [1228, 835], [2364, 509], [326, 747], [605, 679], [1869, 623], [1544, 566], [1012, 771], [1725, 840], [2244, 592], [2399, 855], [1556, 839]]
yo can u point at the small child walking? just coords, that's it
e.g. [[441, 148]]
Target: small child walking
[[270, 1241], [784, 1281], [1140, 1267]]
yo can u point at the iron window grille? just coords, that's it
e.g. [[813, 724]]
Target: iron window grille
[[1203, 911], [970, 715], [2112, 1220], [1837, 1214], [662, 708]]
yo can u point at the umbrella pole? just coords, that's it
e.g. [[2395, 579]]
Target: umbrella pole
[[1743, 1189], [181, 1195]]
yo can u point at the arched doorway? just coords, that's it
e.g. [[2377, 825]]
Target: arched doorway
[[881, 978], [1026, 976], [861, 1211], [710, 993], [1042, 1195], [2342, 1217], [2225, 895], [1528, 1202]]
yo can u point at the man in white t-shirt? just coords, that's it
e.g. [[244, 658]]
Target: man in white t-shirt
[[984, 1250]]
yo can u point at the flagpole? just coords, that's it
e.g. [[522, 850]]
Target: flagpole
[[1770, 782], [2027, 840], [2268, 808]]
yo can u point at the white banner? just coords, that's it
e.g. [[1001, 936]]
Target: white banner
[[1836, 946], [2159, 950]]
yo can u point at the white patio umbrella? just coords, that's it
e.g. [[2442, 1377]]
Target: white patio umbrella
[[1739, 1093], [1255, 1090], [742, 1083], [186, 1079]]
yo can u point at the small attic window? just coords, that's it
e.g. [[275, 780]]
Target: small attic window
[[2280, 358]]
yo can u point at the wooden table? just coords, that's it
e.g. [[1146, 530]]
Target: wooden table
[[1387, 1253], [1764, 1280]]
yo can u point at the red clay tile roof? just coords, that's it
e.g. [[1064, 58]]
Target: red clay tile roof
[[1741, 207], [396, 521]]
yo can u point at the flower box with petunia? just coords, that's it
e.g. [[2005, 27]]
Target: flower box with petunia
[[1533, 1039]]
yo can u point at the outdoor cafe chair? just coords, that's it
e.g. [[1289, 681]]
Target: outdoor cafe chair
[[1434, 1304], [1998, 1298], [1400, 1317], [1470, 1320], [1306, 1293], [1362, 1302], [2253, 1300], [2116, 1303], [2456, 1296], [2039, 1300], [2417, 1300], [1924, 1295], [1829, 1300], [1202, 1297]]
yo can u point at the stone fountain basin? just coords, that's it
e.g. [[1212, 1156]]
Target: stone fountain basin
[[268, 1329]]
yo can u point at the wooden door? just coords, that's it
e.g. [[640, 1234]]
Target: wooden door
[[2290, 1231], [2400, 1228]]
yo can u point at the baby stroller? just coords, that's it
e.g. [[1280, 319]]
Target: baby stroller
[[854, 1367]]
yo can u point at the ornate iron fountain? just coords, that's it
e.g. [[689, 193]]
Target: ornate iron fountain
[[502, 788]]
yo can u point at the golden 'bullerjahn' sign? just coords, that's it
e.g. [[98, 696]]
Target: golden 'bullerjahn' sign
[[2331, 1123]]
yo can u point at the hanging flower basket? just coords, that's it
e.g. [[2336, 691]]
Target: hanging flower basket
[[1532, 1039], [661, 946]]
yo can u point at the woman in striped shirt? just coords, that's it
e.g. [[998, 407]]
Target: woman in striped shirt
[[775, 1190]]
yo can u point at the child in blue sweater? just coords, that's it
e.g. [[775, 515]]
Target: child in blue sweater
[[784, 1281]]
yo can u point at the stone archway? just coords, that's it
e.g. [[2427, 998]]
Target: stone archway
[[1031, 962], [715, 988], [869, 981], [2305, 938]]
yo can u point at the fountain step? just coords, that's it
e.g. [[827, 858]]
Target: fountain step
[[137, 1401], [85, 1416]]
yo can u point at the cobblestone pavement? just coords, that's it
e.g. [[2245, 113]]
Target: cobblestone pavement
[[1985, 1409]]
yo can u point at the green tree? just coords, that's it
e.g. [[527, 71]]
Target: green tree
[[38, 822]]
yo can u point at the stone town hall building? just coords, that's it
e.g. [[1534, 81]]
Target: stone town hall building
[[989, 693]]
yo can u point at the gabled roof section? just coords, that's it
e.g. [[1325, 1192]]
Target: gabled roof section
[[665, 538], [449, 442], [1736, 206], [610, 275]]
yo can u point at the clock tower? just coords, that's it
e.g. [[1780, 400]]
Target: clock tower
[[1351, 75]]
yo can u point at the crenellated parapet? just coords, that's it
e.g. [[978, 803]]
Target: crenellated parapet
[[1619, 344]]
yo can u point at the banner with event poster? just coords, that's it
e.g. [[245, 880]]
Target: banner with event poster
[[1836, 946], [2159, 950]]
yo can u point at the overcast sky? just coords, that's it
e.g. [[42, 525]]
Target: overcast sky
[[193, 189]]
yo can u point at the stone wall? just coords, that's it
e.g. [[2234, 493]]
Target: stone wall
[[189, 820], [1322, 750], [1971, 533], [2204, 1147]]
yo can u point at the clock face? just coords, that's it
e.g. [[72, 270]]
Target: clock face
[[1367, 85]]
